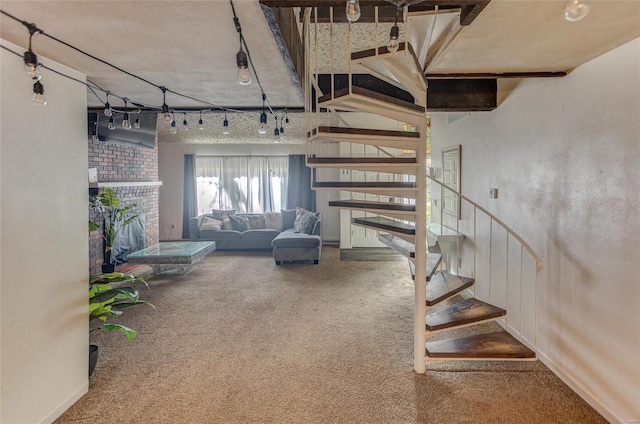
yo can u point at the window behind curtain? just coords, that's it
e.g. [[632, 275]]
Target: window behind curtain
[[248, 184]]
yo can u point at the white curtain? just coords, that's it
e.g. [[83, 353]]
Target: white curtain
[[248, 184]]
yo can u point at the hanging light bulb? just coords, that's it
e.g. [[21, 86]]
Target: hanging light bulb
[[244, 74], [126, 123], [262, 129], [225, 124], [112, 125], [185, 125], [393, 44], [281, 126], [31, 63], [353, 10], [286, 119], [167, 116], [136, 124], [107, 107], [276, 131], [200, 122], [173, 128], [574, 10], [38, 94]]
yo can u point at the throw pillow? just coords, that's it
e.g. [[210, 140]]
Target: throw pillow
[[256, 222], [273, 220], [221, 214], [210, 224], [226, 224], [288, 218], [238, 223], [305, 221]]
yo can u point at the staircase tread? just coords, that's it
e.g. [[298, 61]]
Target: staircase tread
[[373, 95], [369, 132], [373, 205], [370, 184], [444, 285], [500, 345], [402, 246], [385, 53], [382, 223], [433, 261], [329, 160], [465, 312]]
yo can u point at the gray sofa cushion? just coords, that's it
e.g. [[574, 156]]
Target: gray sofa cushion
[[220, 234], [260, 233], [291, 239]]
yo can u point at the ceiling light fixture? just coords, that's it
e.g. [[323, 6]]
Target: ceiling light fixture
[[185, 125], [38, 94], [393, 43], [126, 123], [136, 124], [200, 123], [31, 63], [173, 128], [112, 125], [262, 129], [107, 107], [352, 10], [225, 124], [167, 115], [574, 10], [244, 74]]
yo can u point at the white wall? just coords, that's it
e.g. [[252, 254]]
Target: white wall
[[44, 243], [171, 173], [565, 156]]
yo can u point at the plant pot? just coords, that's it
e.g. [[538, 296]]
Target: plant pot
[[93, 358], [108, 268]]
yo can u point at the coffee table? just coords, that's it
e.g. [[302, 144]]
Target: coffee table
[[174, 257]]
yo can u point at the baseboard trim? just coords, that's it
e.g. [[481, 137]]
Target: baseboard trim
[[66, 404], [581, 390]]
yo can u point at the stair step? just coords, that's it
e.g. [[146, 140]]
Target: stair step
[[407, 140], [400, 68], [463, 313], [500, 345], [392, 165], [433, 261], [444, 285], [361, 99], [395, 189], [399, 245], [360, 204], [385, 224]]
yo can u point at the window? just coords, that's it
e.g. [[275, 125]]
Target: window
[[248, 184]]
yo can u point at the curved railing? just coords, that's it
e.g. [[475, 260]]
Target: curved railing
[[525, 248]]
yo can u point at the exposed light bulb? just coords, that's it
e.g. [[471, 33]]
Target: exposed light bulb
[[173, 128], [200, 124], [167, 118], [185, 125], [31, 65], [136, 124], [244, 75], [95, 138], [107, 109], [276, 134], [126, 123], [352, 10], [38, 94], [393, 43], [262, 129], [112, 125], [225, 127], [574, 10]]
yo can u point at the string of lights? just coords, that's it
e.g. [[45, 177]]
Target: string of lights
[[33, 66]]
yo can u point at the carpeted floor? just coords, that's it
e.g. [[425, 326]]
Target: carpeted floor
[[240, 340]]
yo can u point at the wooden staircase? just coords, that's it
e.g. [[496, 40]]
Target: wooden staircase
[[401, 221]]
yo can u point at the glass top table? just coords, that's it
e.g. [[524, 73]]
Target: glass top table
[[175, 257]]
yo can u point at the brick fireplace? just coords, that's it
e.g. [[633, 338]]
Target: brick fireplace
[[132, 172]]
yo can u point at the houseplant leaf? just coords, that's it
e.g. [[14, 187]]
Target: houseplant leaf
[[131, 334]]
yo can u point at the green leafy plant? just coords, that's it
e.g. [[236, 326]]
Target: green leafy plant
[[116, 216], [106, 301]]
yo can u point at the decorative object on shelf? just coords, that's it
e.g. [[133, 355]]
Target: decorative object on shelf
[[116, 216], [107, 302]]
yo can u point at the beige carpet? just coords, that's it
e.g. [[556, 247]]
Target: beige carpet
[[240, 340]]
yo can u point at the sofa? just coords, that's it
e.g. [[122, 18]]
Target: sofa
[[292, 235]]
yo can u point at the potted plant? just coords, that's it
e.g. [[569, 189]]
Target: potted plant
[[115, 217], [107, 302]]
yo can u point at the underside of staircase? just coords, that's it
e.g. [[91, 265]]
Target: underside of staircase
[[443, 300]]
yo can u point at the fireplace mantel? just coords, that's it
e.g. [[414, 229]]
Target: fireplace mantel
[[126, 184]]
